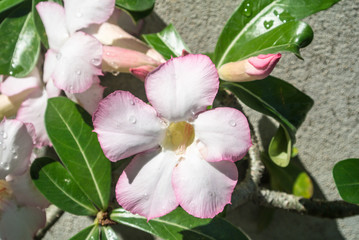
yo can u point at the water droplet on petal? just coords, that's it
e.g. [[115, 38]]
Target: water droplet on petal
[[132, 102], [132, 119], [211, 194], [58, 56], [4, 135], [79, 14], [96, 61], [108, 53], [13, 150], [15, 156], [78, 72], [232, 123], [0, 142], [145, 196]]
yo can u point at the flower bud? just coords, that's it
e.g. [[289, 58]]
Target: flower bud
[[142, 71], [117, 59], [253, 68]]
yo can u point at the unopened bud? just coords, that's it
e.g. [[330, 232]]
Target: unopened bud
[[142, 71], [253, 68], [117, 59]]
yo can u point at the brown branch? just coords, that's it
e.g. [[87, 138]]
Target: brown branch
[[312, 207]]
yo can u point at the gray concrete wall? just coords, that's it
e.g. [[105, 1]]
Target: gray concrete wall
[[329, 74]]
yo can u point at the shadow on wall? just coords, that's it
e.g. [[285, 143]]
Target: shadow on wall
[[264, 223]]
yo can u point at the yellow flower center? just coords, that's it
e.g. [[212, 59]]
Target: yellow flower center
[[179, 136], [5, 192]]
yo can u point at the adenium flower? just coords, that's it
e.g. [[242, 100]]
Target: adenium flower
[[21, 205], [74, 58], [185, 154], [253, 68]]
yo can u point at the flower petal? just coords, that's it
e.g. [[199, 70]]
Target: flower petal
[[53, 18], [51, 89], [21, 222], [33, 111], [80, 14], [126, 126], [26, 193], [182, 87], [203, 188], [223, 134], [15, 86], [50, 64], [78, 61], [89, 99], [145, 185], [15, 148]]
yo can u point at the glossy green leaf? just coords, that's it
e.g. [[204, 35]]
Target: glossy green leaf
[[276, 98], [280, 148], [289, 179], [59, 187], [107, 233], [70, 130], [303, 186], [20, 43], [135, 5], [180, 225], [7, 4], [255, 18], [89, 233], [167, 42], [346, 177], [38, 23]]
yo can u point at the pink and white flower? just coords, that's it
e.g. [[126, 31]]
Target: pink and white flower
[[185, 154], [74, 58], [20, 202]]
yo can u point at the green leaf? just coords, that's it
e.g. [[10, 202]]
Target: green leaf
[[276, 98], [271, 17], [58, 186], [280, 148], [7, 4], [90, 233], [38, 23], [70, 130], [303, 186], [107, 233], [20, 44], [346, 177], [167, 42], [180, 225], [137, 9], [135, 5], [289, 179]]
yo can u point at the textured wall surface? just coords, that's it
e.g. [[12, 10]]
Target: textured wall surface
[[329, 74]]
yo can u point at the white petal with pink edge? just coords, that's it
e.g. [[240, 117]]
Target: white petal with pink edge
[[33, 111], [203, 188], [80, 14], [14, 86], [50, 64], [15, 148], [182, 87], [54, 20], [78, 61], [126, 126], [20, 222], [145, 185], [89, 99], [51, 89], [26, 193], [222, 134]]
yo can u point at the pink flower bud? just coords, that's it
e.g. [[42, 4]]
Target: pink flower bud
[[116, 59], [142, 71], [253, 68]]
